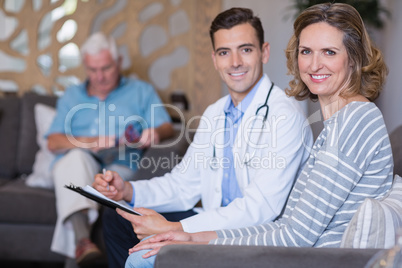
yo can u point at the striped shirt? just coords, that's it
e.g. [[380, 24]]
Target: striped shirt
[[351, 160]]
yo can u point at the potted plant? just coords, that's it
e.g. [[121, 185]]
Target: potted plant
[[371, 11]]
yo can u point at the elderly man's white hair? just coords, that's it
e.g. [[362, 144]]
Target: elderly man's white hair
[[98, 42]]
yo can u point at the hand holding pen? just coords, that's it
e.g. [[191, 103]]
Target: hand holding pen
[[104, 174], [110, 184]]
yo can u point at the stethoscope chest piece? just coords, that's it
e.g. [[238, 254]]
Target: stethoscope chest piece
[[214, 164]]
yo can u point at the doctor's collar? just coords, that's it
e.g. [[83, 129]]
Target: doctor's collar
[[245, 103]]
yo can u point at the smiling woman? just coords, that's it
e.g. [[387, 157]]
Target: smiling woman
[[365, 66], [323, 63]]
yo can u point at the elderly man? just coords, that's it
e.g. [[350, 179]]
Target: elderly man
[[95, 127]]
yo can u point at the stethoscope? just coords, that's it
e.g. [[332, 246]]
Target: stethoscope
[[214, 163]]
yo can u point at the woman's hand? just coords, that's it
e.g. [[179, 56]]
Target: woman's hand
[[158, 241]]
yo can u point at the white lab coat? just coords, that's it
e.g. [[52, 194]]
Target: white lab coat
[[265, 184]]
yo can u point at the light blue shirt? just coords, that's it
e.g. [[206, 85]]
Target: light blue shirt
[[234, 115], [133, 101]]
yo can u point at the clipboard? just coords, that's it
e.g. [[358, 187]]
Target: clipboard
[[93, 194]]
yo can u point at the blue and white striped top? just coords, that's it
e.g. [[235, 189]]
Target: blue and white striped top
[[351, 160]]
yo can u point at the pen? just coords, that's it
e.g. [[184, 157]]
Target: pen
[[104, 173]]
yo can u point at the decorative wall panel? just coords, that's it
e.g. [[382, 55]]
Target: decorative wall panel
[[165, 42]]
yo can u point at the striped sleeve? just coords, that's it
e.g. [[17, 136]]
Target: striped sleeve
[[323, 196], [353, 146]]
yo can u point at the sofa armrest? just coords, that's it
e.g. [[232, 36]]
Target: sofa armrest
[[260, 256]]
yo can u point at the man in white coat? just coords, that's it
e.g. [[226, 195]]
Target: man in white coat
[[242, 163]]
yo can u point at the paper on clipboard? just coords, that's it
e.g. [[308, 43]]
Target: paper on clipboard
[[91, 193]]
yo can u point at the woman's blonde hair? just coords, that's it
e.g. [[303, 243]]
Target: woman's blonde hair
[[368, 67]]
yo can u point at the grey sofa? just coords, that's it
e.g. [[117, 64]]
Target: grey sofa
[[28, 215], [211, 256]]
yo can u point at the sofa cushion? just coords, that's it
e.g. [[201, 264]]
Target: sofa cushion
[[9, 129], [41, 175], [16, 238], [22, 204], [376, 221], [4, 181], [27, 145], [226, 256]]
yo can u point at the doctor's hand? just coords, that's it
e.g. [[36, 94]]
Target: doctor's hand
[[149, 223], [113, 186]]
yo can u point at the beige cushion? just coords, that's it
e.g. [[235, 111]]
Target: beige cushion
[[41, 174], [375, 223]]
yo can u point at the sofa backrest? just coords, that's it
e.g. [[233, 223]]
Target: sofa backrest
[[158, 160], [396, 143], [27, 145], [18, 133], [18, 140], [9, 129]]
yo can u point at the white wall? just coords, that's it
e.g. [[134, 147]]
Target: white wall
[[390, 101], [277, 31]]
